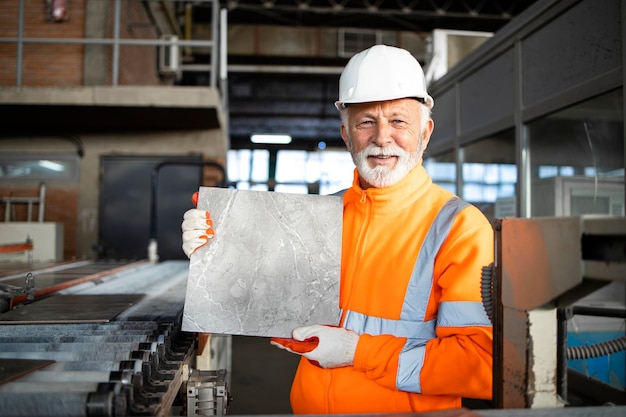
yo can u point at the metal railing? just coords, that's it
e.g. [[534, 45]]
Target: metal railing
[[30, 202], [217, 47]]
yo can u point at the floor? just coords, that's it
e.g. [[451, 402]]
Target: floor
[[261, 377]]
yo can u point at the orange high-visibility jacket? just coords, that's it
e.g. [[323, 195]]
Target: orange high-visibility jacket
[[411, 265]]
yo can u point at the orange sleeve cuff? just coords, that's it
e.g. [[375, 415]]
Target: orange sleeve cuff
[[360, 355]]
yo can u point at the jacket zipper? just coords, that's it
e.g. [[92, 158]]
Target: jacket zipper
[[362, 200], [357, 252]]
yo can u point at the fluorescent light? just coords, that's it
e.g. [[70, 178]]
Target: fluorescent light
[[270, 139], [53, 166]]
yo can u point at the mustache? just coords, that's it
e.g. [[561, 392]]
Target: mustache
[[391, 150]]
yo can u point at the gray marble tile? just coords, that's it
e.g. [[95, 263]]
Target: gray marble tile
[[273, 264]]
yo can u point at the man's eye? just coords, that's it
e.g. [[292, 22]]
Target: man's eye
[[365, 123]]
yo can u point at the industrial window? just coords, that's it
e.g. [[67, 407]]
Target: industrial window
[[248, 169], [352, 41], [488, 182], [38, 167], [577, 159], [489, 174], [442, 170], [547, 171], [295, 171]]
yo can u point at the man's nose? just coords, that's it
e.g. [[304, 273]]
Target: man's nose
[[382, 134]]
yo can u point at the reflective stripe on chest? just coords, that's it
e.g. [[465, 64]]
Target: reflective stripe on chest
[[411, 323]]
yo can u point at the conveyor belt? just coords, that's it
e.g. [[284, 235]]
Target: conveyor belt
[[54, 278], [133, 362]]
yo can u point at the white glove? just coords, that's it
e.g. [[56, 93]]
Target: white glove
[[335, 348], [197, 230]]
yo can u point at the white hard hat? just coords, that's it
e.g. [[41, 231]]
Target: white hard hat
[[382, 73]]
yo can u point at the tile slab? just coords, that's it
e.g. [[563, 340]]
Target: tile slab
[[273, 264]]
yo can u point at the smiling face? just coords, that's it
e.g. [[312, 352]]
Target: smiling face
[[386, 139]]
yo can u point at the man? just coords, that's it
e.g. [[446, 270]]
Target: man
[[413, 334]]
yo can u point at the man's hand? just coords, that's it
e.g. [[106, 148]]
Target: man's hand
[[196, 229], [325, 346]]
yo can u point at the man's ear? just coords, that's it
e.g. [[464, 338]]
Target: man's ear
[[428, 131]]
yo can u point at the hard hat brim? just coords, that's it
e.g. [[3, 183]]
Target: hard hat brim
[[427, 101]]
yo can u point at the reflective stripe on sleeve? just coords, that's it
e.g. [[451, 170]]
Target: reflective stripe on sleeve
[[417, 330], [410, 365], [462, 314]]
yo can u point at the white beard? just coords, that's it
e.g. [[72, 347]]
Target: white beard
[[382, 176]]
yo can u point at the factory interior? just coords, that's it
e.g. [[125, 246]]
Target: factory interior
[[114, 112]]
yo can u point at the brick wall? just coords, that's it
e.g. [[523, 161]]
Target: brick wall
[[61, 206], [42, 64], [137, 64], [61, 65]]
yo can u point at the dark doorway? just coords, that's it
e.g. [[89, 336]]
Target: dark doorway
[[125, 204]]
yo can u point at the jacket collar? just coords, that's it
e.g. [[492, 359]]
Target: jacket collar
[[397, 196]]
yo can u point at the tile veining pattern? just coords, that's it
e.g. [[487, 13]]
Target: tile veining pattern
[[273, 264]]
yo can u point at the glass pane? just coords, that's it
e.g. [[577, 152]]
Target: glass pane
[[442, 170], [260, 165], [243, 185], [260, 187], [292, 188], [314, 166], [291, 166], [328, 171], [490, 174], [577, 159], [336, 171], [238, 163], [20, 167], [248, 165], [332, 170]]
